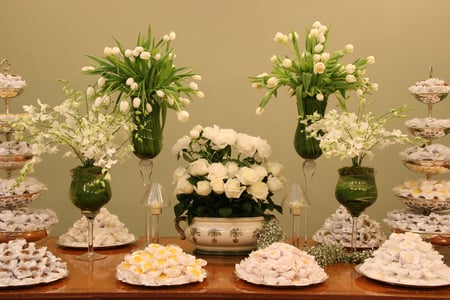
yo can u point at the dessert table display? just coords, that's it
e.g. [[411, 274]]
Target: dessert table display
[[97, 280], [427, 199]]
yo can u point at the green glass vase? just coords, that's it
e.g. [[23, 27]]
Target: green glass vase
[[306, 147], [356, 189], [147, 138]]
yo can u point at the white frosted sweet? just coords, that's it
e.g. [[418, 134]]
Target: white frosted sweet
[[23, 263], [108, 231], [406, 259], [280, 264], [11, 81], [29, 186], [424, 189], [433, 152], [427, 123], [27, 219], [413, 220], [430, 85], [15, 148], [161, 265], [337, 230]]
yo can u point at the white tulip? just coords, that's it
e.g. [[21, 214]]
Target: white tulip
[[183, 116]]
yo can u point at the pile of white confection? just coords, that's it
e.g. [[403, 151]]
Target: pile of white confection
[[337, 230], [280, 264], [29, 186], [27, 219], [406, 259], [428, 123], [430, 85], [414, 220], [108, 231], [23, 263], [424, 189], [434, 152], [161, 265], [15, 148], [11, 81]]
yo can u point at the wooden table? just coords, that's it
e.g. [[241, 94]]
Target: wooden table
[[96, 280]]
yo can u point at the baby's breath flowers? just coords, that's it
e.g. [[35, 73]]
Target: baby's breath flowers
[[147, 84]]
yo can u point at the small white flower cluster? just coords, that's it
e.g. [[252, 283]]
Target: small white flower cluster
[[12, 81], [430, 85], [108, 231], [407, 259], [346, 135], [96, 134], [438, 190], [409, 219], [227, 175], [158, 265], [280, 264], [337, 230]]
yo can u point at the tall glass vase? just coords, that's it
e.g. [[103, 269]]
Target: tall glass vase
[[89, 191], [356, 190], [147, 141], [308, 148]]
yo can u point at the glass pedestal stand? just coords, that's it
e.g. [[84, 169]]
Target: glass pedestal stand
[[309, 169], [90, 255]]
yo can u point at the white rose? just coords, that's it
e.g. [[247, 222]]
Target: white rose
[[211, 132], [232, 168], [224, 138], [259, 190], [275, 168], [233, 188], [179, 173], [263, 149], [181, 144], [276, 184], [184, 187], [218, 186], [203, 188], [217, 170], [245, 145], [247, 176], [198, 167], [319, 68], [260, 171]]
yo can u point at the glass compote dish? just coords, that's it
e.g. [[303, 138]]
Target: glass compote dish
[[90, 190]]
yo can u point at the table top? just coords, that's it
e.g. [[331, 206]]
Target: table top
[[96, 280]]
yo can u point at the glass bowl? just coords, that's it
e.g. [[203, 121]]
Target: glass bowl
[[14, 162], [29, 236], [428, 167], [427, 205], [429, 132], [430, 98], [18, 200]]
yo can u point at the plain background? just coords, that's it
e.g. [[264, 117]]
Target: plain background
[[226, 42]]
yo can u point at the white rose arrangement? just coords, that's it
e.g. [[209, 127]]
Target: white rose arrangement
[[228, 174]]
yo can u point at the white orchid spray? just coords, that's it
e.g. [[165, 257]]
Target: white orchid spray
[[90, 127]]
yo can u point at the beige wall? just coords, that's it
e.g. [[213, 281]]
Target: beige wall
[[226, 41]]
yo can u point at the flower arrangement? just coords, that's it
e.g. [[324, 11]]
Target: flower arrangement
[[95, 133], [314, 72], [355, 136], [147, 84], [228, 174]]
